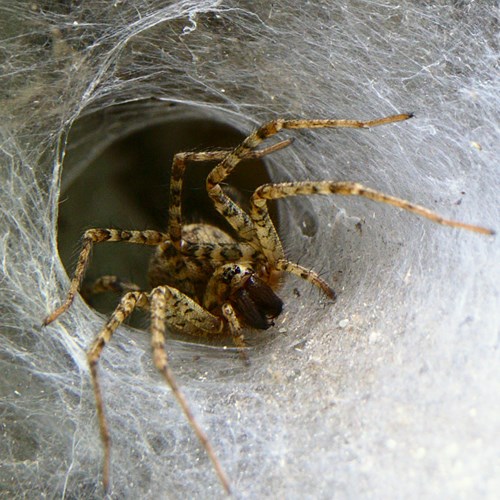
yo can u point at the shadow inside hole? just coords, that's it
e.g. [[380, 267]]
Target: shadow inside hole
[[127, 187]]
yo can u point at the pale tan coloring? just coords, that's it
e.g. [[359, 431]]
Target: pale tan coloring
[[205, 281]]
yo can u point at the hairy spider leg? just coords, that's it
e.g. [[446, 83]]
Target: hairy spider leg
[[127, 304], [147, 237], [265, 232], [217, 289], [306, 274], [236, 331], [179, 165], [234, 325], [228, 164], [160, 299], [109, 283], [91, 237], [164, 303]]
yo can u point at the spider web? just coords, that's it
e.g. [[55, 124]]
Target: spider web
[[392, 389]]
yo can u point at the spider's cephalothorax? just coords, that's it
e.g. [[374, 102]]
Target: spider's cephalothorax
[[198, 271], [205, 281]]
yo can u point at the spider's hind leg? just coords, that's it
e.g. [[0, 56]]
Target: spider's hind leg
[[108, 283], [230, 161], [283, 190]]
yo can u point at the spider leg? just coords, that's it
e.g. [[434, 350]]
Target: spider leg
[[268, 237], [306, 274], [160, 301], [228, 164], [234, 325], [236, 330], [179, 166], [109, 283], [266, 192], [91, 237], [183, 311], [127, 304], [220, 253]]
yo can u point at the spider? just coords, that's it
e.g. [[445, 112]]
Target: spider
[[204, 281]]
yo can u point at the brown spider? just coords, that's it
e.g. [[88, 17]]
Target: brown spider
[[205, 281]]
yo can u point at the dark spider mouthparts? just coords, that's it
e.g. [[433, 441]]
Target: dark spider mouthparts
[[205, 281], [256, 303]]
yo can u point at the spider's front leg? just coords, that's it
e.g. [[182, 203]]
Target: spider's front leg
[[167, 306], [239, 220], [164, 304], [179, 165], [236, 331], [266, 234]]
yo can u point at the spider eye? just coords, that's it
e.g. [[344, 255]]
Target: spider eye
[[229, 274]]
